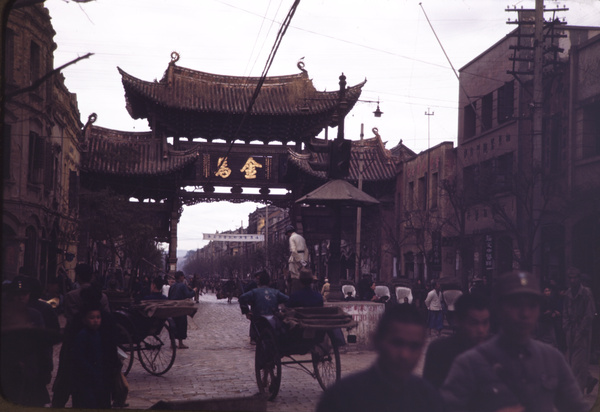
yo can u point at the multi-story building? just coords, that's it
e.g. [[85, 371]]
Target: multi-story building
[[582, 226], [426, 224], [40, 153], [521, 212]]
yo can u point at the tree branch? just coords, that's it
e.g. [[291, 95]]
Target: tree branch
[[45, 77]]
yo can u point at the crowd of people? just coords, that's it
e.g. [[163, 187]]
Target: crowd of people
[[493, 361], [513, 347]]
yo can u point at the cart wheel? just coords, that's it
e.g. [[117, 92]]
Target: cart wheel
[[125, 343], [326, 361], [157, 352], [267, 364]]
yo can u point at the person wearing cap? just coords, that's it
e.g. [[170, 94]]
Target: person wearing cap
[[512, 372], [305, 297], [578, 316], [298, 257]]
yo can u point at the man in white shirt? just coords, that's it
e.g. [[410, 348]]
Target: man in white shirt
[[433, 301], [298, 257]]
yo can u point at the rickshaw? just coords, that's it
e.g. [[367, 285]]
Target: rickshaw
[[299, 331], [148, 330]]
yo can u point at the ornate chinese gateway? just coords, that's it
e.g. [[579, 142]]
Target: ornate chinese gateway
[[204, 137]]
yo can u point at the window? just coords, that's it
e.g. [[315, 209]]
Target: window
[[506, 102], [471, 183], [487, 175], [411, 196], [554, 150], [487, 110], [469, 120], [9, 55], [30, 253], [504, 172], [422, 200], [36, 158], [591, 130], [6, 151], [73, 190], [49, 168], [434, 190], [34, 62]]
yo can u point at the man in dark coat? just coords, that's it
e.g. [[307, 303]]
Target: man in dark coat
[[389, 384], [472, 328], [180, 291]]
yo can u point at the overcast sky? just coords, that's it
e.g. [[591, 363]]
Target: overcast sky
[[388, 42]]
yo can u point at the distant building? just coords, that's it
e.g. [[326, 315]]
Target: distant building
[[426, 224]]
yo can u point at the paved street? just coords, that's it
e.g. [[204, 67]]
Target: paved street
[[220, 364]]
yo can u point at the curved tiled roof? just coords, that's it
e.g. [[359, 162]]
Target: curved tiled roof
[[379, 164], [130, 153], [191, 103]]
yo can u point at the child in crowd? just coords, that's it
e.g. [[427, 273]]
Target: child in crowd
[[95, 361]]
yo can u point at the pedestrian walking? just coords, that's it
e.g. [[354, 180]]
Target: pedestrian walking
[[512, 371], [180, 291], [433, 303], [578, 316]]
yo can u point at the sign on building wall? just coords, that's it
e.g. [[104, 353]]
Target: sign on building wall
[[244, 169], [233, 237], [489, 252]]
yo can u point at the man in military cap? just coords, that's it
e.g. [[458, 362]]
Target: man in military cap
[[512, 372]]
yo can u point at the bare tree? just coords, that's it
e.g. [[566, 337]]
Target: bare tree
[[453, 190]]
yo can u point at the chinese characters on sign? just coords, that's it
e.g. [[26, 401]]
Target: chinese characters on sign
[[233, 237], [250, 168], [223, 171], [238, 168], [489, 252]]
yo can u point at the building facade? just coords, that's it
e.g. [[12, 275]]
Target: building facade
[[522, 212], [41, 153], [426, 225]]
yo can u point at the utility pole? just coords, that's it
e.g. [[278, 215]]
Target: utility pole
[[428, 114], [267, 236], [427, 194], [538, 114], [361, 166], [542, 44]]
